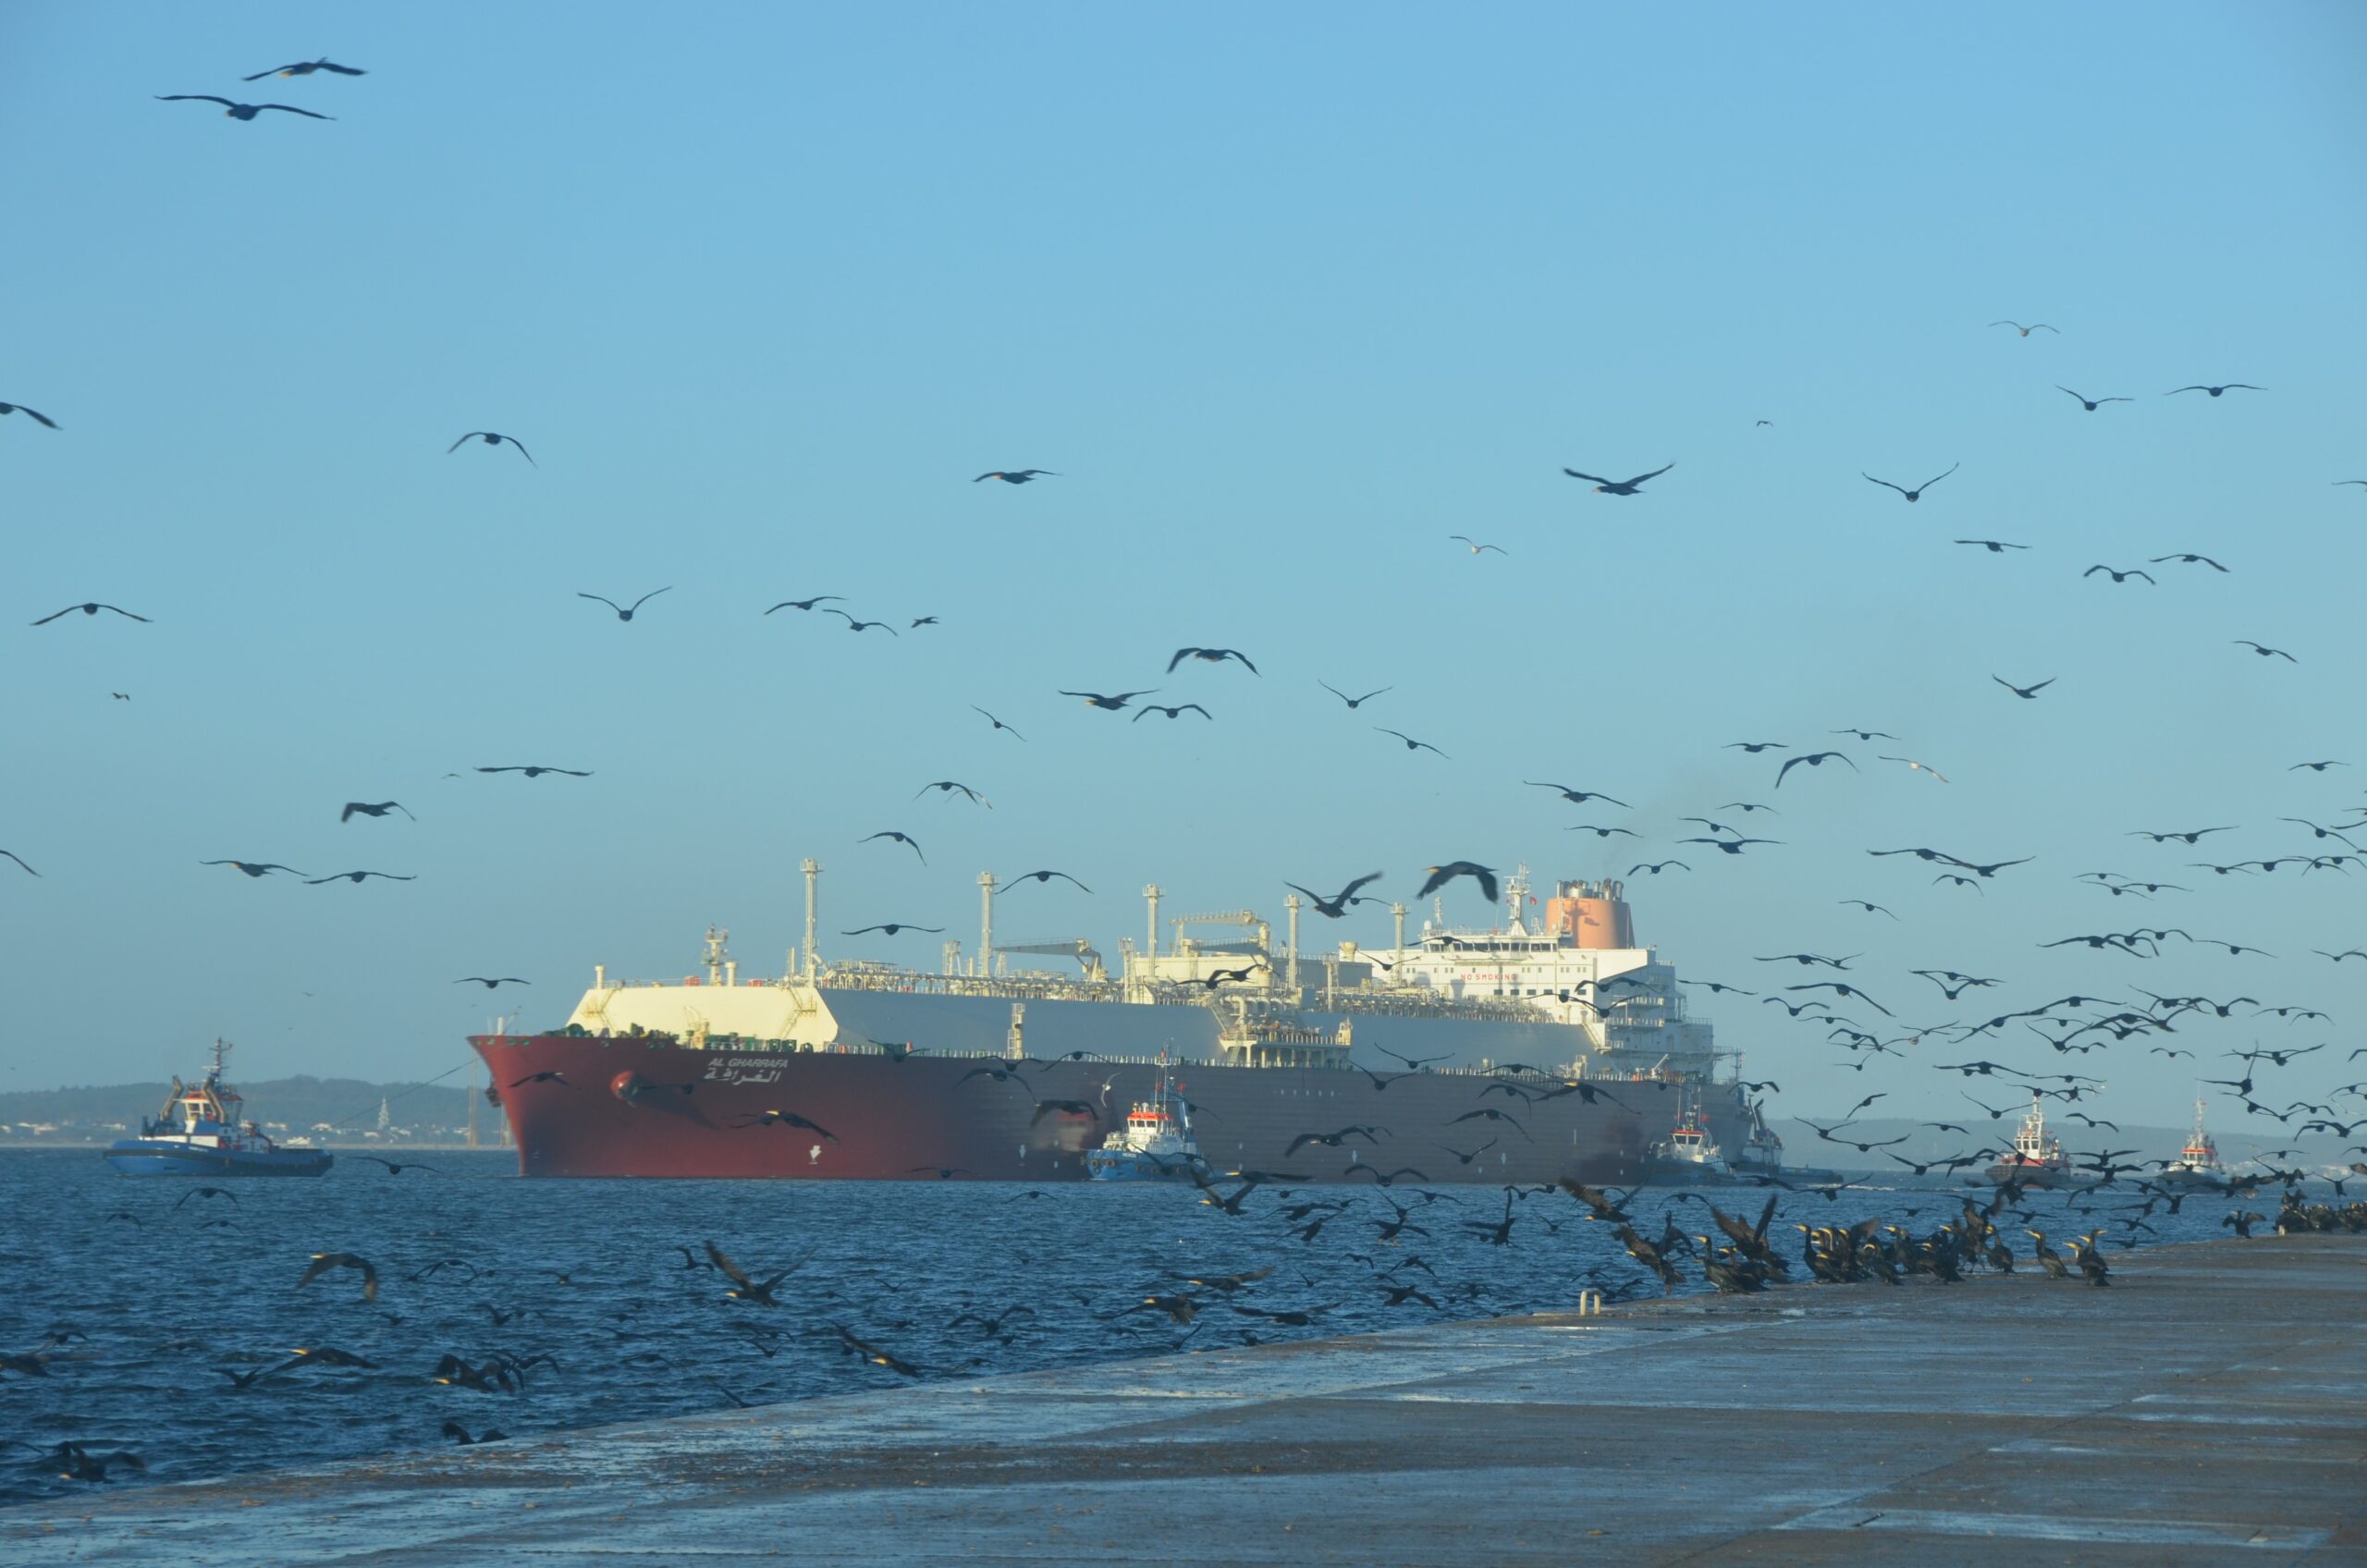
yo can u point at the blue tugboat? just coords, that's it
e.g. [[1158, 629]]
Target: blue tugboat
[[199, 1133], [1155, 1144]]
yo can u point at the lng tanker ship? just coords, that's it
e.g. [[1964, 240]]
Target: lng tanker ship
[[1552, 1044]]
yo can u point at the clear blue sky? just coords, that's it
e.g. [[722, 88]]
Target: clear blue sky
[[1286, 296]]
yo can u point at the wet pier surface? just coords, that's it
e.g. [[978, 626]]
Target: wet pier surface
[[2211, 1402]]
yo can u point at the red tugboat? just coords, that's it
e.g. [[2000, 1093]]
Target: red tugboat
[[2037, 1159]]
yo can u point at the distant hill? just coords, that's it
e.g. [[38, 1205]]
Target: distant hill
[[298, 1104]]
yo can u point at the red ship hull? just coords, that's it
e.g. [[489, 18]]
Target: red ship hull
[[623, 1106]]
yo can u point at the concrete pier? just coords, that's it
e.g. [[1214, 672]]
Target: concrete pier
[[2211, 1402]]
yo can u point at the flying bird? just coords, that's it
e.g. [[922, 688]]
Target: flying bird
[[1617, 486], [1731, 846], [1337, 905], [920, 620], [2091, 404], [999, 724], [1109, 704], [19, 860], [1210, 655], [2188, 557], [1917, 767], [494, 438], [1039, 877], [1601, 832], [900, 838], [805, 604], [622, 613], [893, 928], [948, 787], [248, 111], [1754, 747], [1411, 744], [1477, 547], [489, 982], [1353, 702], [2028, 693], [369, 809], [854, 625], [322, 1262], [1814, 759], [2266, 652], [1914, 495], [253, 868], [1993, 546], [90, 610], [306, 68], [2215, 391], [1576, 797], [2025, 331], [40, 418], [1442, 875], [1175, 712], [2120, 576], [356, 877], [1657, 866], [1019, 476], [535, 770]]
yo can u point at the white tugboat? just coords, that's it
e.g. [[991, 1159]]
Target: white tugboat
[[203, 1131], [2036, 1158], [2198, 1163], [1156, 1143], [1688, 1154]]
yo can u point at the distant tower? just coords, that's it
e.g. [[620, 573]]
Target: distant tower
[[385, 1115]]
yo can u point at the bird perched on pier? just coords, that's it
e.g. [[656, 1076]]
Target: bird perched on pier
[[90, 608], [1337, 905], [624, 612], [492, 438], [1617, 486], [1440, 876], [306, 68], [368, 809], [1210, 655], [1914, 495], [248, 111], [1109, 704]]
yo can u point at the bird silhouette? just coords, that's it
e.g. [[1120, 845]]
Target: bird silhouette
[[2119, 576], [2266, 652], [1411, 744], [1210, 655], [2025, 331], [1337, 905], [91, 609], [491, 981], [1617, 486], [892, 927], [2188, 557], [2215, 391], [368, 808], [1175, 712], [1917, 767], [356, 877], [623, 613], [948, 787], [805, 604], [2029, 693], [1576, 797], [900, 838], [1353, 702], [1109, 704], [999, 724], [1440, 876], [252, 867], [2091, 404], [38, 417], [306, 68], [1812, 759], [1477, 547], [535, 770], [492, 438], [248, 111], [20, 861], [1040, 877], [1914, 495], [1017, 476], [855, 625], [1994, 547]]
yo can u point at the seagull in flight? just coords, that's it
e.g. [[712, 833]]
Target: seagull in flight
[[1477, 547], [306, 68], [248, 111], [2120, 576], [2215, 391], [1017, 476], [2266, 652], [495, 439], [356, 877], [90, 610], [900, 838], [2091, 404], [1814, 759], [1914, 495], [1994, 547], [948, 787], [1210, 655], [536, 771], [1353, 702], [623, 613], [805, 604], [1617, 486], [893, 926], [489, 982], [1039, 877], [2025, 331], [1917, 767], [2188, 557], [1411, 744], [1176, 712], [42, 419], [369, 808], [2028, 693], [999, 724], [1109, 704], [252, 867], [30, 871], [1442, 875], [1731, 846], [1576, 797]]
